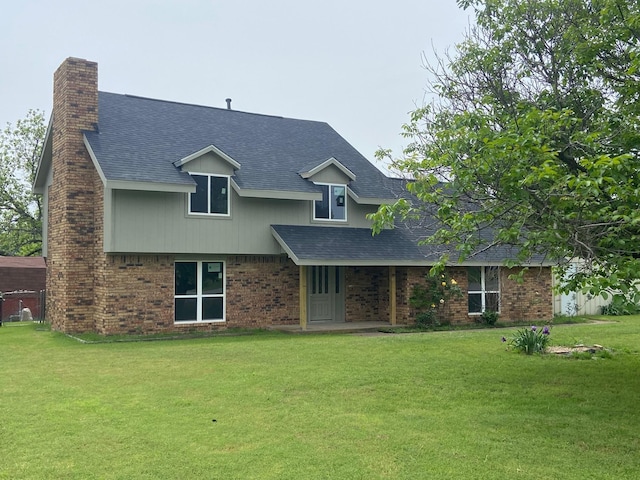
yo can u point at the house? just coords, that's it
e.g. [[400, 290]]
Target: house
[[22, 279], [163, 216]]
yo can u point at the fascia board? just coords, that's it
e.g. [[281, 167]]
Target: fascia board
[[370, 200], [150, 186], [383, 262], [276, 194], [44, 162], [94, 159], [285, 247]]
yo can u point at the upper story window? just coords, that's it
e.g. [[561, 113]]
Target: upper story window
[[484, 289], [333, 205], [212, 195]]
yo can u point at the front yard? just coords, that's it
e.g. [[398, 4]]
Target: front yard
[[276, 406]]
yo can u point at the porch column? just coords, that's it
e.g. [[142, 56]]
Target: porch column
[[303, 297], [392, 295]]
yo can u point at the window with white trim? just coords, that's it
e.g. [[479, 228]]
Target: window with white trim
[[333, 205], [211, 196], [483, 289], [199, 291]]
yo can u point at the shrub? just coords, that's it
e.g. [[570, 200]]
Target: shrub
[[426, 319], [489, 317], [530, 340], [431, 299], [622, 305]]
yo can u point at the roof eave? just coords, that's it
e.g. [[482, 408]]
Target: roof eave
[[275, 194], [44, 162], [370, 200]]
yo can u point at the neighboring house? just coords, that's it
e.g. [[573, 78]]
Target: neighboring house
[[22, 279], [162, 216]]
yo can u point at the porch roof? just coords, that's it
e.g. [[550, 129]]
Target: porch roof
[[320, 245], [324, 245]]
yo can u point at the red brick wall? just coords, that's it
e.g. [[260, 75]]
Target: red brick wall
[[262, 291], [366, 294], [134, 294], [406, 279], [530, 300]]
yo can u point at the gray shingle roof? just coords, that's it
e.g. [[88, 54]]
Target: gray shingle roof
[[320, 245], [340, 245], [138, 139]]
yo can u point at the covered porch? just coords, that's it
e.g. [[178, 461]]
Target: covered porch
[[347, 275]]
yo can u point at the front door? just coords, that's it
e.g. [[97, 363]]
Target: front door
[[326, 294]]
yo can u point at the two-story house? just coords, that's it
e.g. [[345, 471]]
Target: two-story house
[[163, 216]]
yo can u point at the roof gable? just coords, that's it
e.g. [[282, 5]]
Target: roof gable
[[312, 171], [203, 152]]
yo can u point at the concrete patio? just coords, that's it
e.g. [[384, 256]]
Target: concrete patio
[[333, 327]]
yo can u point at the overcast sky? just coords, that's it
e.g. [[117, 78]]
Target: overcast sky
[[355, 64]]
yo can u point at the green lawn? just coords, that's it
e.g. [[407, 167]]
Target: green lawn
[[422, 405]]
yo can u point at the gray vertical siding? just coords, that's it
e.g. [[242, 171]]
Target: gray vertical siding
[[157, 222]]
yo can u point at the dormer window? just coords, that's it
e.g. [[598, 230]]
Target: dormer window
[[333, 205], [212, 195]]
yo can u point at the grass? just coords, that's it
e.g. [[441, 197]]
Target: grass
[[450, 404]]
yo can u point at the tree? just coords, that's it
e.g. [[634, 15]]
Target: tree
[[20, 210], [534, 138]]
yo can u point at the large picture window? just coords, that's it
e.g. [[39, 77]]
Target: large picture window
[[333, 205], [484, 289], [211, 196], [199, 292]]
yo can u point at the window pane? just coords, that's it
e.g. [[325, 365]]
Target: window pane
[[220, 195], [475, 303], [186, 309], [186, 278], [313, 279], [326, 280], [199, 199], [491, 279], [212, 308], [492, 302], [212, 278], [338, 203], [322, 206], [475, 279]]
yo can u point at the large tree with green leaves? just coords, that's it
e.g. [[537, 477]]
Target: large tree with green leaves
[[535, 135], [20, 209]]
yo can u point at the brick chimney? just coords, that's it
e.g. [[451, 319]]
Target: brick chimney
[[72, 245]]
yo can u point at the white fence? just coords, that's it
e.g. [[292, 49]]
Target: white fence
[[577, 303]]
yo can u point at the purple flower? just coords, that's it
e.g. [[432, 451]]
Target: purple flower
[[533, 328], [546, 331], [504, 339]]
